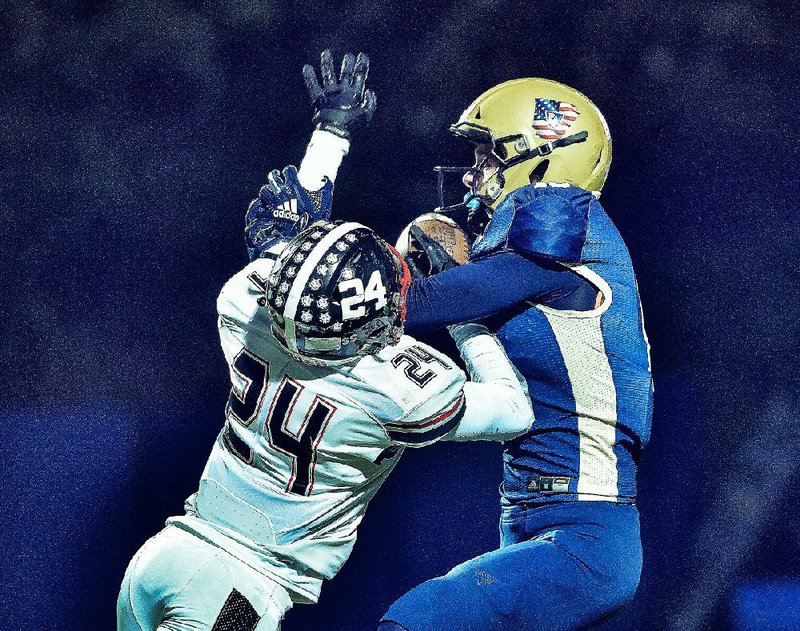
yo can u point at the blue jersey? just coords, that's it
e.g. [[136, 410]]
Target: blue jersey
[[588, 369], [588, 372]]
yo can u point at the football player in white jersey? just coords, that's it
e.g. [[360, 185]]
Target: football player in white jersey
[[326, 394]]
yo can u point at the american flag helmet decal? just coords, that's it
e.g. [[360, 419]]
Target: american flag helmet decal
[[551, 119]]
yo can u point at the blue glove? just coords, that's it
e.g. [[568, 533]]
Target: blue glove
[[341, 107], [283, 208]]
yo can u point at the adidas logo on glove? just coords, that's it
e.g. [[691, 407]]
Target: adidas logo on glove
[[287, 210]]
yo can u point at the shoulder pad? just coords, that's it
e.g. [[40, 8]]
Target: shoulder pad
[[239, 299], [547, 220]]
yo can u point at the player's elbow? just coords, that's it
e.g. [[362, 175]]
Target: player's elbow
[[516, 412], [496, 411]]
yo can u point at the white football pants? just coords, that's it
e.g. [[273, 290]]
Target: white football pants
[[177, 582]]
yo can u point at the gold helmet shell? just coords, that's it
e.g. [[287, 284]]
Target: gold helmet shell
[[542, 127]]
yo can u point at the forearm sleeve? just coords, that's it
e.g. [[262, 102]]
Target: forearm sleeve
[[323, 158], [490, 285], [497, 406]]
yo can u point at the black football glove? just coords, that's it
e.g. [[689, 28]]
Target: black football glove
[[430, 257], [341, 107]]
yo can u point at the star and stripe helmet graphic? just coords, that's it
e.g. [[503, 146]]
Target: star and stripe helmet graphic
[[337, 292], [553, 118]]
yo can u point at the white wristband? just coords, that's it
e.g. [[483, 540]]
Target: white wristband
[[323, 158]]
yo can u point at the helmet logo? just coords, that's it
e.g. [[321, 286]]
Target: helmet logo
[[551, 119], [287, 210]]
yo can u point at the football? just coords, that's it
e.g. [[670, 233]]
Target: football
[[440, 228]]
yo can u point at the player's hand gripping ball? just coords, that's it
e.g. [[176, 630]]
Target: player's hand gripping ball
[[433, 243]]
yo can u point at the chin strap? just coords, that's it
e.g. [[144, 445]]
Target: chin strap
[[547, 148]]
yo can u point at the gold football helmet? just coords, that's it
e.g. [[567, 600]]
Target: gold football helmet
[[538, 130]]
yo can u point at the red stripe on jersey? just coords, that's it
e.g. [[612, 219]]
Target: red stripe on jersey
[[441, 418]]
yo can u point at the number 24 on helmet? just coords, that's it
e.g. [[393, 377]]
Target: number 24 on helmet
[[336, 293]]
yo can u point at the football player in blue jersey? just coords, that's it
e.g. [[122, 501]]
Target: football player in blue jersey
[[569, 315]]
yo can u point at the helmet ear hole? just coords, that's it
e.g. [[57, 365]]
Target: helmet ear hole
[[537, 175]]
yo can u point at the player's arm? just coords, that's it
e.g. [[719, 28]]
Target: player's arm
[[513, 262], [490, 285], [496, 402], [294, 199], [494, 405], [342, 107]]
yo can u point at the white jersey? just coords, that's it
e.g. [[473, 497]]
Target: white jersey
[[304, 448]]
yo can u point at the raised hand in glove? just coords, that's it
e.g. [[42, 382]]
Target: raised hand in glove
[[430, 256], [283, 208], [345, 106]]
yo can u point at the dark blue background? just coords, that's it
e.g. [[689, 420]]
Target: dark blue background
[[133, 135]]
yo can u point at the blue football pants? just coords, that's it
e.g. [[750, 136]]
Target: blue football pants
[[560, 566]]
